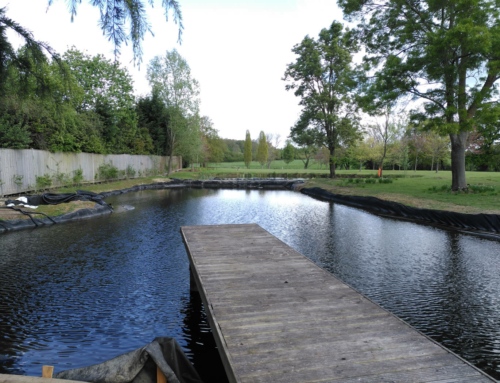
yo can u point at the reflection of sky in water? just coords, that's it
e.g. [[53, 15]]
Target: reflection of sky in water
[[80, 293]]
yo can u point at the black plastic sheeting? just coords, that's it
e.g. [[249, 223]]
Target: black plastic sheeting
[[140, 366], [482, 222], [20, 224], [58, 198]]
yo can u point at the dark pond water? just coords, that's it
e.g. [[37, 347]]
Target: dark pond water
[[81, 293]]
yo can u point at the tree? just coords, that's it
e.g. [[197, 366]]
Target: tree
[[382, 132], [170, 76], [418, 141], [308, 140], [27, 64], [272, 148], [362, 152], [247, 152], [288, 153], [262, 150], [439, 147], [446, 54], [322, 156], [322, 76], [124, 21], [108, 91]]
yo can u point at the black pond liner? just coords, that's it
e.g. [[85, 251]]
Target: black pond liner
[[102, 208], [481, 222]]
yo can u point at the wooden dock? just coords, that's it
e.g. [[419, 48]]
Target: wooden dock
[[278, 317]]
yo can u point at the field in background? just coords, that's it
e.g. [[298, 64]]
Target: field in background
[[424, 189]]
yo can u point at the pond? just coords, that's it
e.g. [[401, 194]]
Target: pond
[[81, 293]]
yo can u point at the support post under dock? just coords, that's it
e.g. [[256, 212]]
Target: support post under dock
[[278, 317]]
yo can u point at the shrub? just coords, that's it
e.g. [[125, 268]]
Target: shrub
[[370, 180], [107, 171], [482, 189], [78, 176], [384, 181], [43, 182], [18, 180], [130, 171]]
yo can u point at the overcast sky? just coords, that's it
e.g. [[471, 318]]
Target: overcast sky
[[237, 50]]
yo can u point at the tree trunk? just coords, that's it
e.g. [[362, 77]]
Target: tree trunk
[[170, 162], [416, 161], [360, 165], [306, 163], [432, 164], [331, 161], [458, 142], [437, 165]]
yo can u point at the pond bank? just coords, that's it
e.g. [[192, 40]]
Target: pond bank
[[481, 224]]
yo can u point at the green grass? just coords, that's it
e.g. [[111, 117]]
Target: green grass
[[431, 190], [296, 166]]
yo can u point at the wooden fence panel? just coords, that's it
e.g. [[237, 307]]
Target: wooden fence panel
[[20, 167]]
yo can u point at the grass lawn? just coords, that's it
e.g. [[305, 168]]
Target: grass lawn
[[296, 166]]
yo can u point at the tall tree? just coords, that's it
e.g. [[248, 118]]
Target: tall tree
[[288, 153], [247, 152], [445, 53], [108, 91], [323, 77], [170, 76], [262, 150]]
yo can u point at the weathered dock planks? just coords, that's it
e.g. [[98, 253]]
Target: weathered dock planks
[[277, 317]]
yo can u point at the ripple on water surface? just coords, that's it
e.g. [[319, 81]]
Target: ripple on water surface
[[81, 293]]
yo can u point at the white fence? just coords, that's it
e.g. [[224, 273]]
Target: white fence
[[19, 168]]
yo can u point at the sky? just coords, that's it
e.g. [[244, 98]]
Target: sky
[[237, 50]]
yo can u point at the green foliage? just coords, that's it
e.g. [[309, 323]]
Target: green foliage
[[385, 180], [247, 153], [262, 149], [18, 180], [130, 171], [126, 21], [483, 189], [431, 51], [43, 182], [324, 80], [78, 176], [107, 171], [13, 135], [288, 153]]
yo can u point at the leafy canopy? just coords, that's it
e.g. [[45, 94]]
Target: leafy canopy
[[324, 78], [124, 21]]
